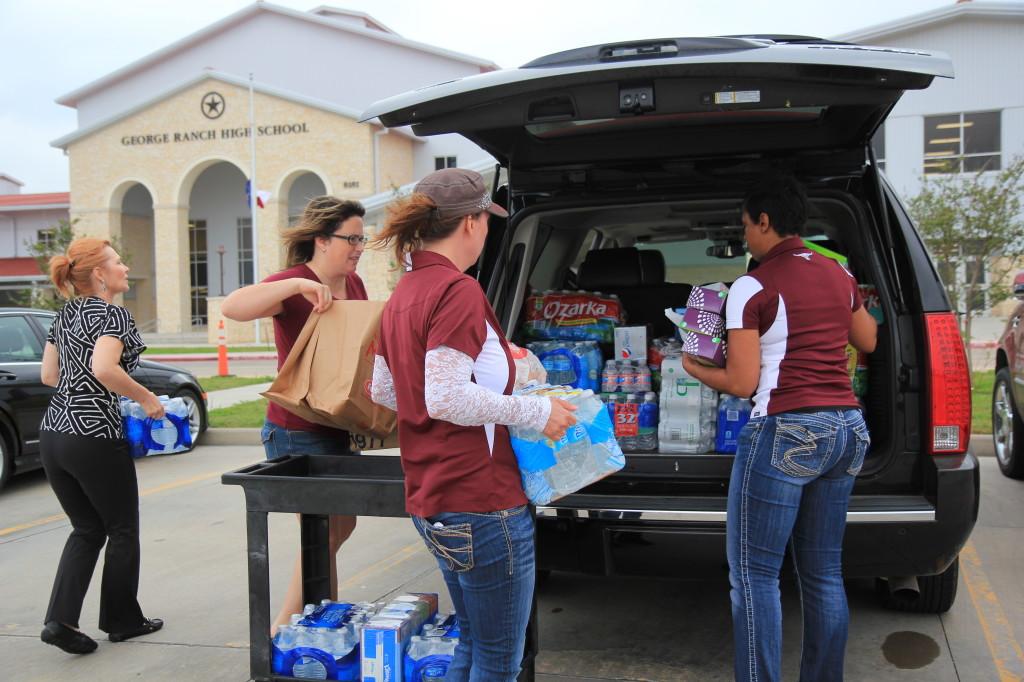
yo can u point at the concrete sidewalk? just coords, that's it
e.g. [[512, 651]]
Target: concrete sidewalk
[[227, 397]]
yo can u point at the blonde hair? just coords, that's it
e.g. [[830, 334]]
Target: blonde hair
[[412, 221], [71, 272], [320, 218]]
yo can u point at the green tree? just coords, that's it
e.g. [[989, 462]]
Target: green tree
[[974, 226], [58, 238]]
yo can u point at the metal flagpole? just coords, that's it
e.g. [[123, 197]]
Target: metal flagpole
[[252, 196]]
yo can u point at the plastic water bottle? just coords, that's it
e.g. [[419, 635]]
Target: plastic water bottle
[[733, 414], [610, 377], [627, 377], [628, 414], [647, 431], [643, 378]]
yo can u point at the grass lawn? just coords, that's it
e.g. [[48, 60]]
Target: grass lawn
[[216, 383], [250, 414], [981, 401], [185, 350]]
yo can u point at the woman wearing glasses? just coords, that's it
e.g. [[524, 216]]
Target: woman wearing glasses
[[323, 252]]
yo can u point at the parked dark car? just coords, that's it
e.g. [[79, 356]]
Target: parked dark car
[[24, 398], [1008, 391], [626, 165]]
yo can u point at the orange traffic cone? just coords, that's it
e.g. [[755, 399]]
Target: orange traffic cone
[[222, 351]]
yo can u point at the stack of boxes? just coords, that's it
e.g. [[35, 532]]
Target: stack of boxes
[[703, 324]]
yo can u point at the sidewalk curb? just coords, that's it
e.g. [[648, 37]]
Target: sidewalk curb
[[224, 436], [208, 357]]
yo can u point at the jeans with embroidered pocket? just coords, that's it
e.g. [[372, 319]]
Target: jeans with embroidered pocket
[[791, 483], [487, 561]]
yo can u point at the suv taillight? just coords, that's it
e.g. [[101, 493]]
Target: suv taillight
[[949, 386]]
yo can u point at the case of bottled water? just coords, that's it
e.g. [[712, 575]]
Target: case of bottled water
[[148, 436], [428, 658], [570, 363], [688, 413], [322, 643], [588, 452]]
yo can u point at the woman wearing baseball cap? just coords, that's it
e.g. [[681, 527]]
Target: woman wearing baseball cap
[[445, 366]]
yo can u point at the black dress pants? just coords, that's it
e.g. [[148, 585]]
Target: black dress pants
[[94, 479]]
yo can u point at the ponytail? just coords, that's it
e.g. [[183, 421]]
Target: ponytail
[[412, 221]]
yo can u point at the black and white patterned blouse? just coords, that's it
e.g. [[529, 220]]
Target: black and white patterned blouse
[[82, 406]]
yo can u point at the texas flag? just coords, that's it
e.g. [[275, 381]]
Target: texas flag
[[262, 196]]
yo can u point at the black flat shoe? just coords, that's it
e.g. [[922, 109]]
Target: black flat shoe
[[67, 639], [149, 626]]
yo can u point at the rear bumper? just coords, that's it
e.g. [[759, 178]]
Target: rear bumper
[[886, 535]]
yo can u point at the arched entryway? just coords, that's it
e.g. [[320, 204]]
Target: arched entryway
[[220, 243], [305, 186], [137, 241]]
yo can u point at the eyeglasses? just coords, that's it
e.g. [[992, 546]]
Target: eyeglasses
[[352, 239]]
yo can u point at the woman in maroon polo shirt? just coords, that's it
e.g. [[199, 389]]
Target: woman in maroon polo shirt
[[445, 366], [323, 252]]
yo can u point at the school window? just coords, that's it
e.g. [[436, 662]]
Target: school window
[[244, 229], [441, 162], [47, 238], [878, 146], [197, 261], [962, 143]]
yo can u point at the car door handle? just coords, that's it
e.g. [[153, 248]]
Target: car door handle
[[8, 376]]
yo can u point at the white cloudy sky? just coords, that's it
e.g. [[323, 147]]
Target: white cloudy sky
[[50, 47]]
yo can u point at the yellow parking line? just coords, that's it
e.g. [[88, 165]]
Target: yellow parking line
[[149, 491], [1005, 650], [31, 524], [399, 557]]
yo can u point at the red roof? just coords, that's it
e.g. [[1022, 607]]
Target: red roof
[[43, 199], [18, 267]]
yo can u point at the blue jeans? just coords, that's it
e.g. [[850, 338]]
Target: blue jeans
[[791, 483], [487, 561], [279, 441]]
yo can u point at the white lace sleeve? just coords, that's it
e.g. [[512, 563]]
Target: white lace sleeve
[[382, 389], [451, 395]]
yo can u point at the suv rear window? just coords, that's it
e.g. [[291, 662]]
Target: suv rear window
[[688, 262]]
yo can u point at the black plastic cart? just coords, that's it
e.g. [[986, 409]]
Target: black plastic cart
[[316, 487]]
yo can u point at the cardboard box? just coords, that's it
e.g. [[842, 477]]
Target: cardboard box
[[631, 343], [385, 638], [710, 298], [703, 322], [382, 649], [709, 349]]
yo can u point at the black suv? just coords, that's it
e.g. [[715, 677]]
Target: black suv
[[625, 168]]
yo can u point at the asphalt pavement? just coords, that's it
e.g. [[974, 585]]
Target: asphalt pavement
[[194, 576]]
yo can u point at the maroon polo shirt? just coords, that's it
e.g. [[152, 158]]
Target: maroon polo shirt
[[448, 468], [295, 310], [801, 303]]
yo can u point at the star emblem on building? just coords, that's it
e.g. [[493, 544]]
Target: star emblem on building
[[212, 105]]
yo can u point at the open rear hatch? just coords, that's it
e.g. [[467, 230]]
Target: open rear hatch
[[671, 98]]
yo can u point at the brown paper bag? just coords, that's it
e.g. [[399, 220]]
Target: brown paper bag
[[326, 377]]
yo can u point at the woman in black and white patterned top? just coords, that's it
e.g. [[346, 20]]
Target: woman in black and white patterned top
[[91, 347]]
